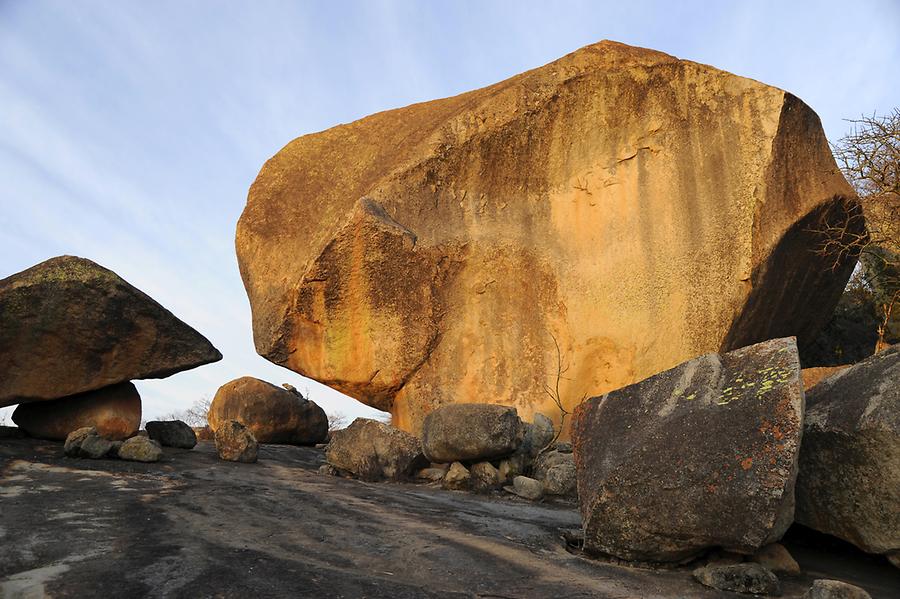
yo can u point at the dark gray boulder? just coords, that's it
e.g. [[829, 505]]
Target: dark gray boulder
[[172, 433], [849, 481], [471, 432], [703, 455], [373, 450]]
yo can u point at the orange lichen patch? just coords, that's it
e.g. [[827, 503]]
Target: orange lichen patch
[[747, 463]]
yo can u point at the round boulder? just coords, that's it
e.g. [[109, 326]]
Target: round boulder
[[115, 412], [172, 433], [236, 443], [469, 432], [273, 414]]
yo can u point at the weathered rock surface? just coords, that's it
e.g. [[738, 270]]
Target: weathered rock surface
[[273, 414], [641, 209], [235, 442], [814, 376], [373, 450], [739, 578], [69, 325], [835, 589], [703, 455], [471, 432], [849, 481], [140, 449], [115, 412], [86, 443], [172, 433], [777, 559]]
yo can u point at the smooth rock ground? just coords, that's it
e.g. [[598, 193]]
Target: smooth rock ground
[[115, 412], [700, 456], [849, 481], [68, 325], [273, 414], [636, 209], [192, 525]]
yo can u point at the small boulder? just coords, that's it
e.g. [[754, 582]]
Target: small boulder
[[485, 478], [140, 449], [748, 577], [236, 443], [703, 455], [513, 466], [86, 443], [536, 435], [431, 474], [471, 432], [527, 488], [172, 433], [373, 450], [115, 411], [849, 481], [457, 478], [834, 589], [777, 559], [561, 480], [328, 470], [273, 414]]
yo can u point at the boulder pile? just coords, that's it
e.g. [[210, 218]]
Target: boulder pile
[[72, 336]]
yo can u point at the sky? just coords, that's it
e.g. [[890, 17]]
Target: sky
[[130, 131]]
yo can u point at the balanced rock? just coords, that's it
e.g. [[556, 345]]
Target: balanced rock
[[140, 449], [374, 450], [273, 414], [635, 209], [471, 432], [172, 433], [115, 412], [703, 455], [236, 443], [849, 481], [739, 578], [69, 325]]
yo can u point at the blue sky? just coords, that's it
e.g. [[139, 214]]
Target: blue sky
[[130, 131]]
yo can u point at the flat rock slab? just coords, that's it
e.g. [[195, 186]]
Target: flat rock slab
[[194, 526]]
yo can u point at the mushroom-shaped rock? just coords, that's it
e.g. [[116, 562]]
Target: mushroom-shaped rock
[[471, 432], [69, 325], [849, 481], [374, 450], [115, 412], [273, 414], [703, 455], [636, 209]]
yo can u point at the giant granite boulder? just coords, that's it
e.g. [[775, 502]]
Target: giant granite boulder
[[638, 209], [703, 455], [114, 411], [273, 414], [849, 481], [69, 325]]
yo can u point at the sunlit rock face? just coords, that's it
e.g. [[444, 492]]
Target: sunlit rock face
[[637, 209]]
